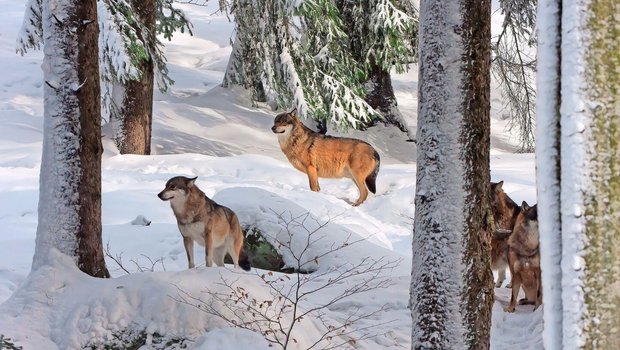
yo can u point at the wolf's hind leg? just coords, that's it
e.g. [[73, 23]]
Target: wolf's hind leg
[[218, 256], [501, 276], [361, 186]]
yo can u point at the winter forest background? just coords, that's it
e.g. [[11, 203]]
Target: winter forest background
[[106, 100]]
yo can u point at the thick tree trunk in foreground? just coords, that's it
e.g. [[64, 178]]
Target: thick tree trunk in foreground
[[136, 110], [70, 181], [590, 175], [452, 283]]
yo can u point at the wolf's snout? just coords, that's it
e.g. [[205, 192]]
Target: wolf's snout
[[273, 128], [161, 196]]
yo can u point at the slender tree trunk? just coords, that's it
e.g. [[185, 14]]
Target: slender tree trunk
[[590, 174], [548, 167], [452, 283], [70, 181], [137, 106]]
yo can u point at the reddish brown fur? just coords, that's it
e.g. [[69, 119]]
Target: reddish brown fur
[[318, 155], [505, 212], [524, 259]]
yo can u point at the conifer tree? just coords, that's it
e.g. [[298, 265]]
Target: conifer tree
[[302, 51], [451, 280], [130, 59], [70, 191], [578, 172]]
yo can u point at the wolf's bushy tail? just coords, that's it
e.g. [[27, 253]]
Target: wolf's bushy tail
[[244, 260], [371, 180]]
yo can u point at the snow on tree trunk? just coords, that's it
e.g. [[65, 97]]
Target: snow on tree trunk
[[590, 174], [70, 181], [452, 283], [136, 108], [548, 168]]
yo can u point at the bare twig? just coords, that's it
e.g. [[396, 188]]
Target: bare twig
[[278, 316]]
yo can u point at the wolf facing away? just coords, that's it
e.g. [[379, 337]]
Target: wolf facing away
[[505, 212], [202, 220], [319, 155], [524, 259]]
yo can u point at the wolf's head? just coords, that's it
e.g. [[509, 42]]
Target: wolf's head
[[284, 122], [503, 207], [177, 188], [526, 226]]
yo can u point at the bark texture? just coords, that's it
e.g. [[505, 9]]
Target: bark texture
[[602, 196], [136, 111], [452, 283], [478, 285], [70, 181], [90, 248], [381, 97], [581, 290]]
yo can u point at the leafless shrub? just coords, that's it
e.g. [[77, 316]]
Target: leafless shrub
[[277, 316], [139, 266]]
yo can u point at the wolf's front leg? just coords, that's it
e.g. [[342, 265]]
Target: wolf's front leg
[[208, 250], [189, 249], [516, 285], [313, 178]]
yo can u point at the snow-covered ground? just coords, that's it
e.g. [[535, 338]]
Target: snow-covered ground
[[203, 130]]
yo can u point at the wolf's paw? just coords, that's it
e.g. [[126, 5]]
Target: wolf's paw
[[509, 285], [524, 301], [498, 284], [509, 308]]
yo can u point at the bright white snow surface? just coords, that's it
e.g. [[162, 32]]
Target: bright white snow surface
[[201, 129]]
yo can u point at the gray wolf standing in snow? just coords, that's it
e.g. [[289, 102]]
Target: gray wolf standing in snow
[[505, 212], [201, 219], [524, 258], [319, 155]]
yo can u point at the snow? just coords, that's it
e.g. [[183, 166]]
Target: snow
[[58, 209], [547, 162], [201, 129], [439, 193], [575, 176]]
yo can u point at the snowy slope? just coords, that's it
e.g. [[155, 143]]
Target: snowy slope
[[204, 130]]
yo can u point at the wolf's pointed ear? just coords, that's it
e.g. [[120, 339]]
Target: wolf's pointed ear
[[525, 206], [293, 112], [532, 212], [499, 185], [190, 182]]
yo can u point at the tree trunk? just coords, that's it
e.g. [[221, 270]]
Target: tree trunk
[[381, 97], [136, 111], [452, 283], [70, 180], [590, 174], [548, 168]]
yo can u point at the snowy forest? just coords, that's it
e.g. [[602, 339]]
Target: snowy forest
[[310, 174]]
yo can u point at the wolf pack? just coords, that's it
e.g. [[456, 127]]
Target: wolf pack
[[514, 245], [514, 242]]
